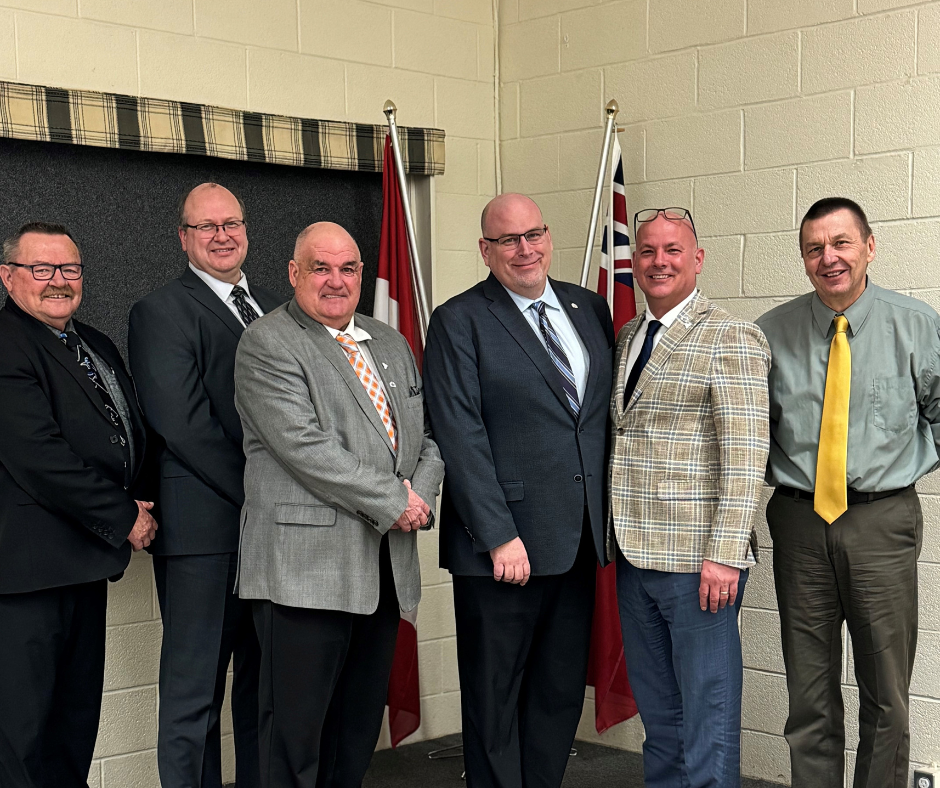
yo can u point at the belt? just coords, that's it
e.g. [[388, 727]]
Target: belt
[[853, 496]]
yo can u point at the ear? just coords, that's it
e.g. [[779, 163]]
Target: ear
[[293, 272], [699, 259], [182, 234], [871, 247], [6, 276], [485, 251]]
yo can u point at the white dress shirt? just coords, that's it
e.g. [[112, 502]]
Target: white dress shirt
[[570, 341], [636, 344], [224, 291]]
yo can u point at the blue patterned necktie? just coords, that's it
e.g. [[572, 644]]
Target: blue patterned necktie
[[559, 358], [644, 356]]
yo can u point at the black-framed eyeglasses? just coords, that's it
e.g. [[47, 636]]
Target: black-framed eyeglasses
[[43, 272], [534, 237], [208, 228], [673, 214]]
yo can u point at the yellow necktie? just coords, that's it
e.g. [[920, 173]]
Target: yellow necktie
[[830, 499]]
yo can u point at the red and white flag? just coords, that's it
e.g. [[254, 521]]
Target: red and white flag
[[607, 670], [395, 305]]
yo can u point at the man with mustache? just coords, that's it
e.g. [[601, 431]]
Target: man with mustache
[[854, 422], [72, 508], [182, 350]]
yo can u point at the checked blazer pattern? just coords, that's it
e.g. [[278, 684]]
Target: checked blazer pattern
[[690, 447]]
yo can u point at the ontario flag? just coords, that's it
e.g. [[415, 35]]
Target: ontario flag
[[607, 670], [395, 306]]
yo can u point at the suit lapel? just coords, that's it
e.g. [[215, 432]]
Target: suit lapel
[[200, 291], [620, 363], [580, 314], [381, 353], [334, 353], [66, 358], [683, 324], [506, 311]]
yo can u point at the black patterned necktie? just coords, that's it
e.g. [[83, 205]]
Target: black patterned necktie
[[645, 352], [244, 307], [74, 343], [559, 357]]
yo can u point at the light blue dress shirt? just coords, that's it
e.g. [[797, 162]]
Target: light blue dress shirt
[[558, 317]]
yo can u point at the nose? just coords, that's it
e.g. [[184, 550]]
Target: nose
[[58, 279], [524, 246], [829, 254]]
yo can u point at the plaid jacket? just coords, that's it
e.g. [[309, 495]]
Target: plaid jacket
[[688, 452]]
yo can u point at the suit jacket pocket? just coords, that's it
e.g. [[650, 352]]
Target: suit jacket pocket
[[514, 491], [303, 514], [687, 490]]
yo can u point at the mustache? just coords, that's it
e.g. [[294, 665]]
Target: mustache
[[54, 290]]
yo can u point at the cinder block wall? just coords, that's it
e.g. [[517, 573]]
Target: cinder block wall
[[747, 111], [332, 59]]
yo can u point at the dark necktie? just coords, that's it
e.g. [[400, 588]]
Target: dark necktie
[[641, 360], [244, 307], [559, 357], [74, 343]]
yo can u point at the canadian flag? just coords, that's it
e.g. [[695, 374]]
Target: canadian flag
[[395, 306], [607, 670]]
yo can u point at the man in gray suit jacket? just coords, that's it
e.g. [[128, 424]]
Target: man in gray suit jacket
[[341, 471]]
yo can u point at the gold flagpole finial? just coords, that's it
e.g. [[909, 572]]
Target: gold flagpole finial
[[390, 108], [611, 109]]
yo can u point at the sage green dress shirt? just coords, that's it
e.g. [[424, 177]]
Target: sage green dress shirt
[[894, 405]]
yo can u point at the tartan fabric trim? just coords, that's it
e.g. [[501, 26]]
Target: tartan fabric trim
[[111, 120]]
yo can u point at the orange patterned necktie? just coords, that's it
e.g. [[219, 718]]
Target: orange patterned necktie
[[371, 384]]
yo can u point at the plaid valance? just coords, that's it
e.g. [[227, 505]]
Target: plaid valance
[[111, 120]]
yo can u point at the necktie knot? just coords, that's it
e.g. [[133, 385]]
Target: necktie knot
[[71, 339], [246, 311], [652, 328], [348, 343], [842, 324]]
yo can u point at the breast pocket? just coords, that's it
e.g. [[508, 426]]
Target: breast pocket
[[894, 408]]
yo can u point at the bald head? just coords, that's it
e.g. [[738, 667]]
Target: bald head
[[326, 273], [504, 205]]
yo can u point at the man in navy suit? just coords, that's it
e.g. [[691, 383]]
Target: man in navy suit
[[182, 345], [73, 505], [517, 381]]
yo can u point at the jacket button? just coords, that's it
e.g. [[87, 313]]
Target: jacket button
[[113, 439], [620, 430], [578, 478]]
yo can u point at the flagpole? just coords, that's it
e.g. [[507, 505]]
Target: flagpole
[[421, 300], [611, 109], [611, 251]]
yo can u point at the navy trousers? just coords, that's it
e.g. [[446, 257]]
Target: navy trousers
[[685, 672]]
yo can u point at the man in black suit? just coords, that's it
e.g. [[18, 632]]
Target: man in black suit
[[71, 509], [517, 380], [182, 345]]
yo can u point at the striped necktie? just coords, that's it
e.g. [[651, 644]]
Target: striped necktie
[[243, 305], [559, 357], [371, 383]]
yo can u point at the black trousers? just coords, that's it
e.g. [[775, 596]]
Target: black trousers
[[324, 683], [204, 625], [51, 677], [522, 654], [861, 569]]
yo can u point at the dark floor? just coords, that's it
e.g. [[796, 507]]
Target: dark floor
[[593, 766]]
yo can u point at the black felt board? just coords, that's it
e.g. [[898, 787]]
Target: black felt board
[[121, 207]]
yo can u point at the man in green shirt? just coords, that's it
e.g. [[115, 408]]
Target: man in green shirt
[[854, 422]]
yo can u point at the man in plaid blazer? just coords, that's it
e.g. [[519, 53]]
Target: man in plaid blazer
[[689, 448]]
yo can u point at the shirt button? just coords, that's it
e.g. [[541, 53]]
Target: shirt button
[[578, 478]]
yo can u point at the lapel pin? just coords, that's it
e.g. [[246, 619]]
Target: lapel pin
[[391, 383], [574, 305], [384, 365]]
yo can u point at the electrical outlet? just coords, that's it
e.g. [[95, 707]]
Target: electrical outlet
[[927, 777]]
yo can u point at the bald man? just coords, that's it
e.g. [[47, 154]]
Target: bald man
[[182, 352], [518, 372], [341, 473]]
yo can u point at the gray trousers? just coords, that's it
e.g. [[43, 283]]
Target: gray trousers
[[861, 569]]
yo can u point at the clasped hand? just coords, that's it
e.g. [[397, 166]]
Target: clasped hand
[[145, 527], [415, 515]]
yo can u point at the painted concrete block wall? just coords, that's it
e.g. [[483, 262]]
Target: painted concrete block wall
[[331, 59], [746, 111]]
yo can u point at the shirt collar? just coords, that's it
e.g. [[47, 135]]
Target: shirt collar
[[358, 334], [548, 298], [856, 315], [70, 326], [670, 317], [222, 289]]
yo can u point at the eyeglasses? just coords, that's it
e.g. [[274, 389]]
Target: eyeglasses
[[43, 272], [208, 228], [534, 237], [672, 214]]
